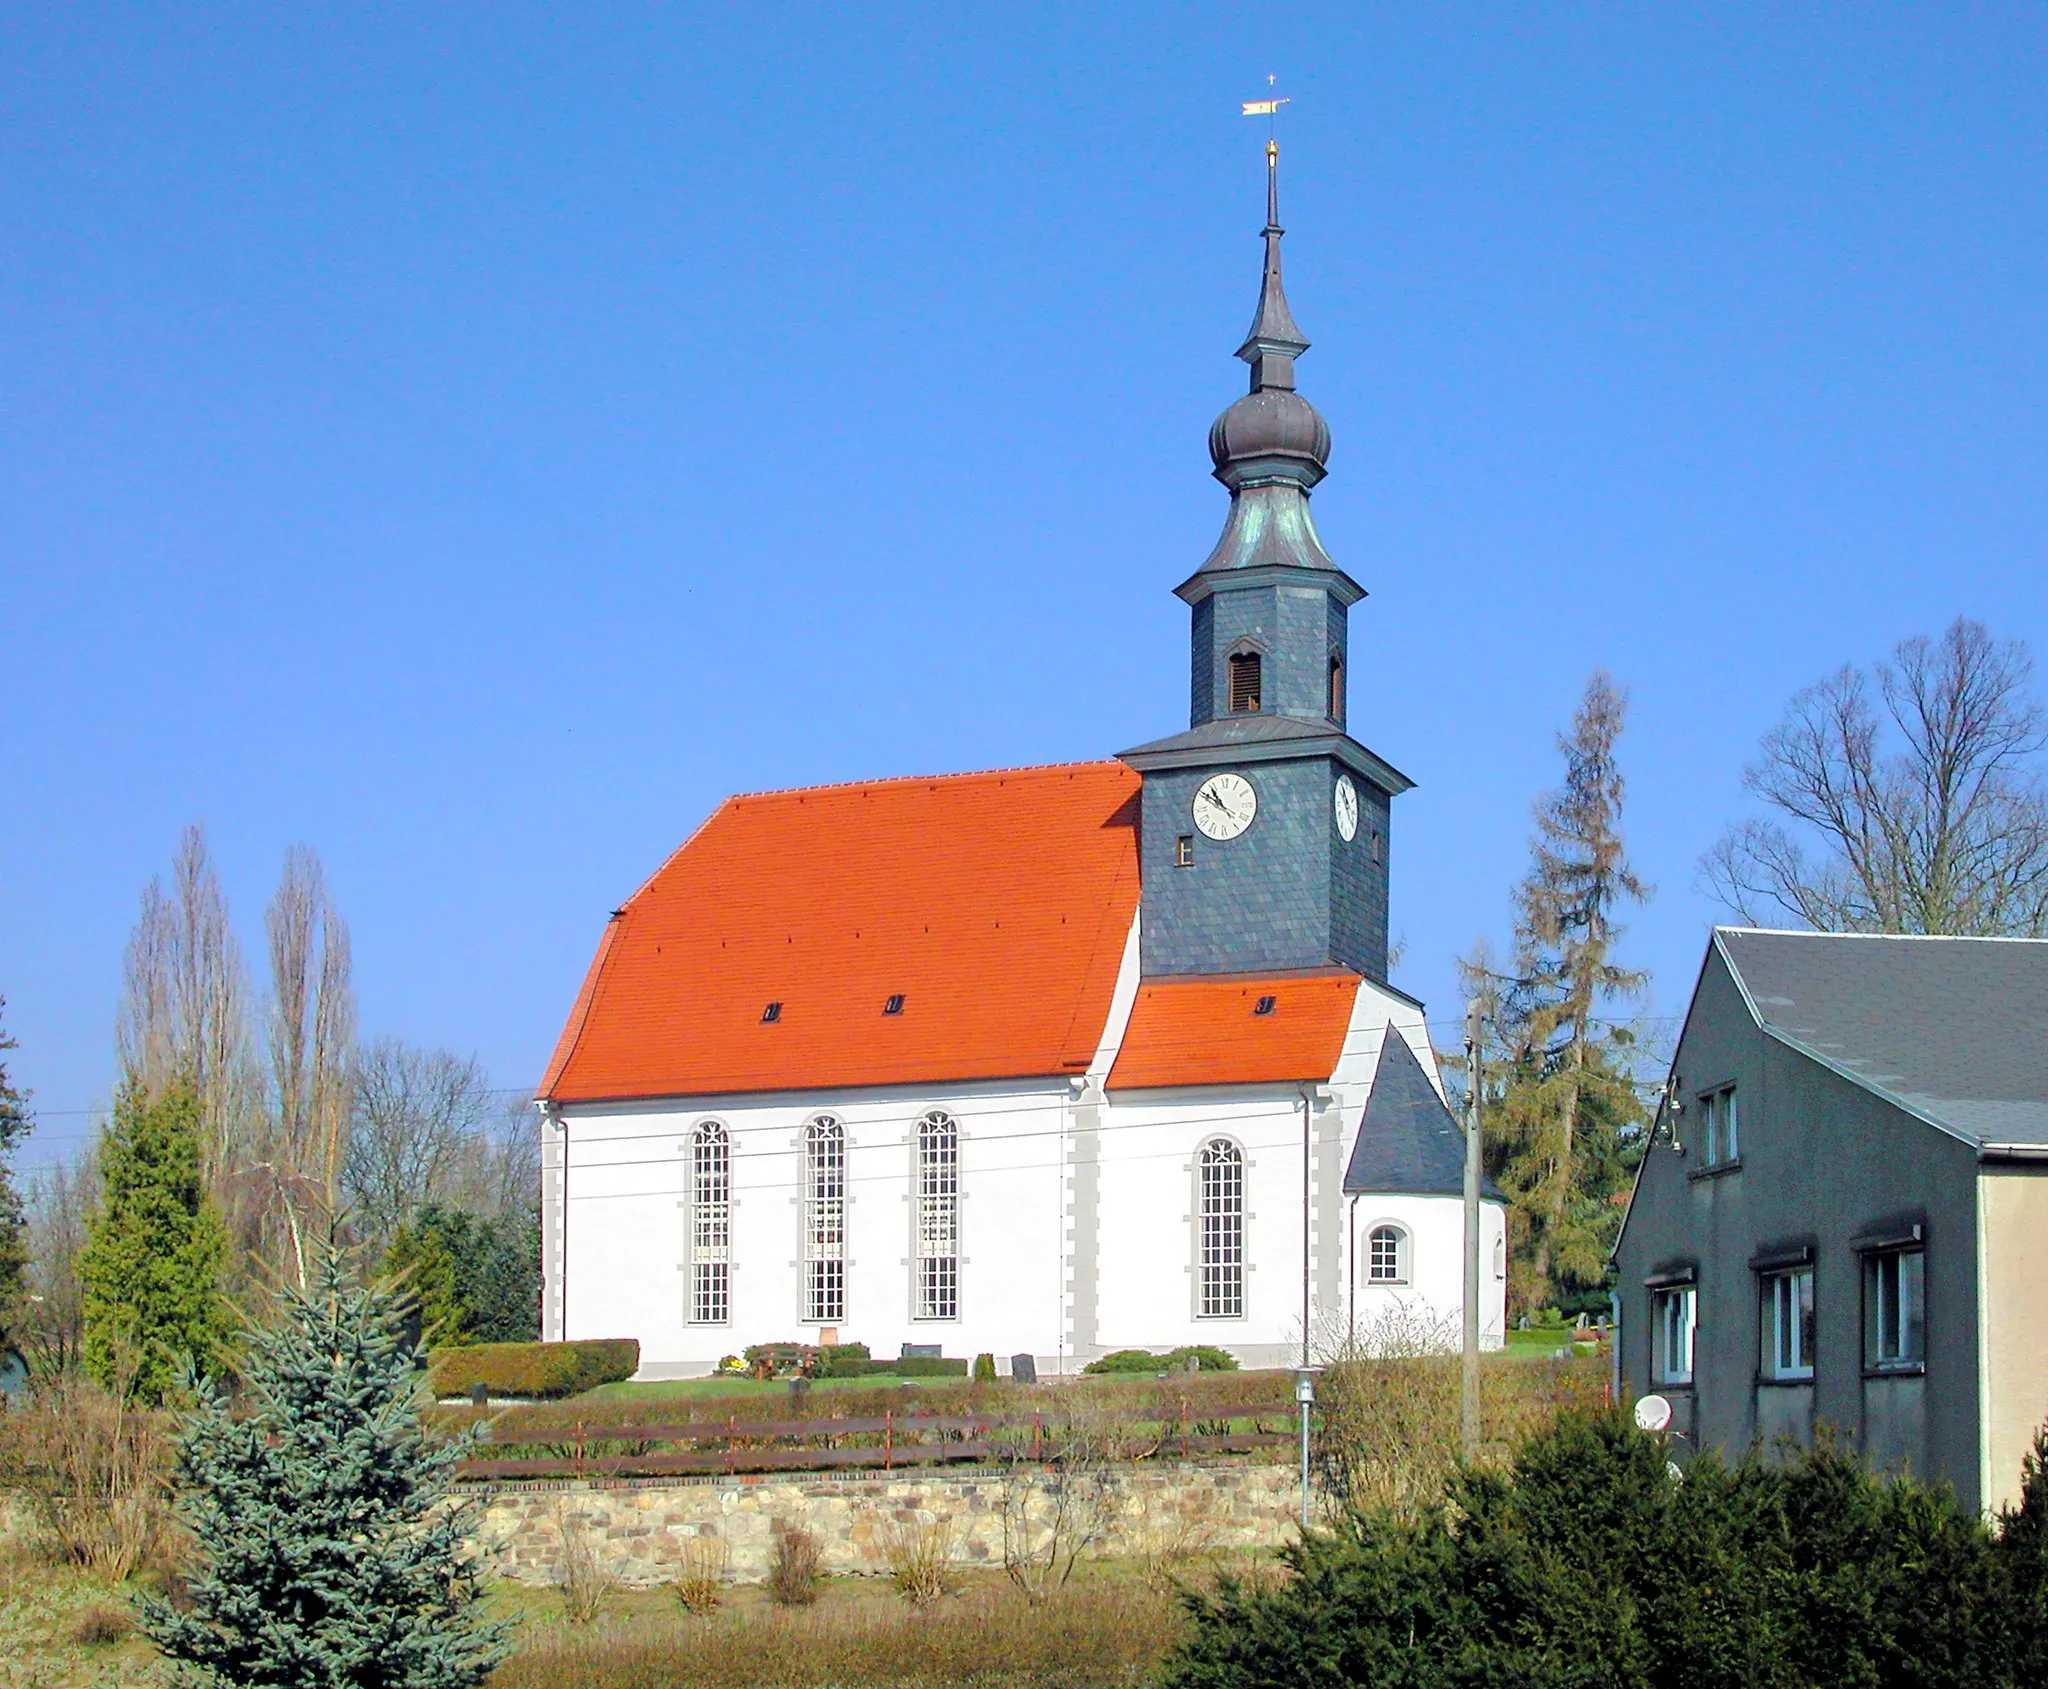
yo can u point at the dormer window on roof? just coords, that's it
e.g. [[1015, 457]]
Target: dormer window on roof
[[772, 1013], [1264, 1006], [894, 1006]]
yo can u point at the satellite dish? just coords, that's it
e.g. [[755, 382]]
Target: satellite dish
[[1653, 1413]]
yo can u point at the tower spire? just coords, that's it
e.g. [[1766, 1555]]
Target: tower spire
[[1275, 340]]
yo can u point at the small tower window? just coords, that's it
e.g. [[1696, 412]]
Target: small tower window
[[1184, 851], [1244, 683], [1336, 687]]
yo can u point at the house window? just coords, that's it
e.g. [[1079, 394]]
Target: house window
[[1788, 1323], [1244, 683], [1674, 1314], [1719, 1138], [1221, 1293], [1336, 687], [1894, 1309], [1386, 1256], [936, 1286], [824, 1222], [710, 1225]]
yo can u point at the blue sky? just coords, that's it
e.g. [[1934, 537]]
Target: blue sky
[[474, 439]]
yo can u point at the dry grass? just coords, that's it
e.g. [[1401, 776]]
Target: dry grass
[[62, 1627], [1102, 1632]]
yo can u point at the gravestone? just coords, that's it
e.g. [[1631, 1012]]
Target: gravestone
[[922, 1351], [1024, 1368]]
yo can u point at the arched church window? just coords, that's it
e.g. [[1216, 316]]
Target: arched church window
[[1336, 687], [936, 1287], [1221, 1241], [1386, 1256], [824, 1222], [710, 1225], [1244, 682]]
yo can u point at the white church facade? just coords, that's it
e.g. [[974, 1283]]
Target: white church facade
[[1052, 1060]]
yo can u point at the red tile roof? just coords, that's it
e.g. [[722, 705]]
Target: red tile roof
[[1205, 1031], [996, 904]]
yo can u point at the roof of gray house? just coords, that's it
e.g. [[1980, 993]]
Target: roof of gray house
[[1407, 1141], [1953, 1029]]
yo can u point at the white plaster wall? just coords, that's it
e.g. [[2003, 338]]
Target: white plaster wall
[[1150, 1144], [1435, 1293], [623, 1195]]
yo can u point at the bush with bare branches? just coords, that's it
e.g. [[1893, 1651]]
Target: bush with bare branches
[[919, 1550], [93, 1468], [793, 1573]]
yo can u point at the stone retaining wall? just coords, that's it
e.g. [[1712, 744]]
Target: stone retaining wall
[[636, 1531]]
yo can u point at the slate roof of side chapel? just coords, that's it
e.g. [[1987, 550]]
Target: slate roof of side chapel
[[1408, 1141], [1954, 1030]]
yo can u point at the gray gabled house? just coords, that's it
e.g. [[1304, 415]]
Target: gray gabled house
[[1843, 1216]]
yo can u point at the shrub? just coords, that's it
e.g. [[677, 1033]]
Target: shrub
[[920, 1366], [920, 1555], [1206, 1356], [92, 1467], [984, 1369], [99, 1626], [702, 1578], [1591, 1563], [843, 1360], [541, 1371], [793, 1573]]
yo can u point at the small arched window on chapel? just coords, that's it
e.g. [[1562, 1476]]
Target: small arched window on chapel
[[1386, 1256], [1221, 1241], [1244, 683]]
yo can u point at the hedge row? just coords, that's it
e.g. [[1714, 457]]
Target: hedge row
[[536, 1371], [1205, 1356]]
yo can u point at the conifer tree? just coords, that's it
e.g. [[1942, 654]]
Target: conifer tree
[[155, 1249], [330, 1557], [1561, 1108], [14, 1126]]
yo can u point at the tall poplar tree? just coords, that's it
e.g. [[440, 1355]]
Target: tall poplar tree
[[155, 1250], [1561, 1108]]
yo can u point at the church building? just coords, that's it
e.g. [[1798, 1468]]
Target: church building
[[1053, 1060]]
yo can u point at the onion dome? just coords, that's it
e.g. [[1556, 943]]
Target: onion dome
[[1272, 433]]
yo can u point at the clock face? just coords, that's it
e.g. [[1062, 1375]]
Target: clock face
[[1224, 805], [1345, 802]]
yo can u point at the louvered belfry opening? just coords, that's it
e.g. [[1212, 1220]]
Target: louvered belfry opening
[[1244, 683], [1336, 688]]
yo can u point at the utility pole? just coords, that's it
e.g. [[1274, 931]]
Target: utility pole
[[1468, 1416]]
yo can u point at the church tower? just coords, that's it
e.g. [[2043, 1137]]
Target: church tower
[[1264, 835]]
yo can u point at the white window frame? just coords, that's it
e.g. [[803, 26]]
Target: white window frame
[[824, 1222], [1720, 1134], [1789, 1324], [935, 1234], [710, 1225], [1895, 1309], [1219, 1229], [1398, 1273], [1674, 1326]]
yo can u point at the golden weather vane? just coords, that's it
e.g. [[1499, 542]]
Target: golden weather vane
[[1269, 109]]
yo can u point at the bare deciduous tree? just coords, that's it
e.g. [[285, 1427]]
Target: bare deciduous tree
[[185, 1009], [312, 1026], [51, 1328], [1948, 834], [420, 1117]]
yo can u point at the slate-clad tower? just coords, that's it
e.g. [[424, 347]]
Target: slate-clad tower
[[1265, 824]]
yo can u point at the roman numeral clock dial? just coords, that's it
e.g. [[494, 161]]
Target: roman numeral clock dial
[[1224, 805]]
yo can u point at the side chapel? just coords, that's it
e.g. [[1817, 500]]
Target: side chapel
[[1050, 1060]]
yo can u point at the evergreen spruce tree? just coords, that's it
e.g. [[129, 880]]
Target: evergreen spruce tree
[[474, 1278], [14, 1126], [1561, 1109], [331, 1557], [155, 1251]]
